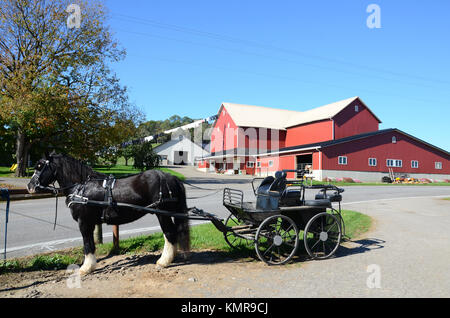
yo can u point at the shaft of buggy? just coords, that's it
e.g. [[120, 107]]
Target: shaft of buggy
[[193, 213]]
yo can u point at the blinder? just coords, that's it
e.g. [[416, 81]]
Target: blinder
[[37, 174]]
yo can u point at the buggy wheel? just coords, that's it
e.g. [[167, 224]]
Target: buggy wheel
[[276, 240], [231, 238], [322, 235]]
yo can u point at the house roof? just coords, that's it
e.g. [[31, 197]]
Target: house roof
[[329, 143], [274, 118]]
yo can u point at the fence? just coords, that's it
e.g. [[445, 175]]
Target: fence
[[5, 195]]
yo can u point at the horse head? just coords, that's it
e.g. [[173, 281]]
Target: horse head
[[45, 173]]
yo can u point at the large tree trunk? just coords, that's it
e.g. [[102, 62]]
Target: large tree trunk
[[21, 154]]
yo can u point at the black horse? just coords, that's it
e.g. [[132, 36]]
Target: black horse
[[150, 188]]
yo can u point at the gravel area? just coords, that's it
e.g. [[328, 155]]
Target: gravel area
[[408, 246]]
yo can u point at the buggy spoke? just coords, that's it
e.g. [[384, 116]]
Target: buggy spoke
[[315, 244], [335, 224], [269, 249]]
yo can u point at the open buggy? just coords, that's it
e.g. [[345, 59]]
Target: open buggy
[[281, 216], [275, 223]]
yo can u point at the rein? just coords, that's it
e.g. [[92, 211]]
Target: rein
[[54, 189]]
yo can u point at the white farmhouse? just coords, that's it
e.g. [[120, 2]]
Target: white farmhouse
[[179, 151]]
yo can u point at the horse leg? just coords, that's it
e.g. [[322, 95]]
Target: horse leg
[[183, 236], [87, 231], [170, 241]]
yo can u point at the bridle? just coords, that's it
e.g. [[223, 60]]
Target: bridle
[[52, 188], [37, 174]]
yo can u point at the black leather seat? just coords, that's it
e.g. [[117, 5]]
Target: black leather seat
[[264, 187], [318, 203], [270, 190], [333, 197]]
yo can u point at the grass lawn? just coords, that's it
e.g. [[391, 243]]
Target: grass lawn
[[204, 236], [122, 170], [5, 173]]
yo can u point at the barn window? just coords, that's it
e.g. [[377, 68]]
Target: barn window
[[270, 163], [258, 164], [414, 164], [394, 163], [394, 139], [373, 162], [356, 108], [342, 160], [250, 164], [438, 165]]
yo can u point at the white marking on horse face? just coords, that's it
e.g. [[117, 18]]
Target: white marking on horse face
[[168, 254], [33, 189], [89, 264]]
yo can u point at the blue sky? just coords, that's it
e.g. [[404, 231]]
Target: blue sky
[[187, 57]]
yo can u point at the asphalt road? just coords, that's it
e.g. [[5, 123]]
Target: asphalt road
[[30, 227]]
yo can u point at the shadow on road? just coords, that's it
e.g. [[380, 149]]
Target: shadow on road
[[360, 246]]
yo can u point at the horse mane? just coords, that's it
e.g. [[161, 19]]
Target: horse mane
[[76, 170]]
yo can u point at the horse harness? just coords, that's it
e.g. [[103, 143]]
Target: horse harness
[[110, 212]]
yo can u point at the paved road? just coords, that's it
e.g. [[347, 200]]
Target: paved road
[[30, 228]]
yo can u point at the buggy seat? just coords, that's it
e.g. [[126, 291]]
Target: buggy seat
[[270, 190]]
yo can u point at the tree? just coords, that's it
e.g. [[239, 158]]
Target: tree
[[56, 87], [144, 157], [126, 153]]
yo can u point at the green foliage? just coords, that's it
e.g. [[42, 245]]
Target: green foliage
[[56, 86], [144, 157], [126, 153], [108, 157], [154, 127]]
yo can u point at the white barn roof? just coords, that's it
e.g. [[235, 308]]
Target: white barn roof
[[274, 118]]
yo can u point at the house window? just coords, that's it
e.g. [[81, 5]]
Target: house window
[[342, 160], [414, 164], [394, 139], [394, 163], [438, 165], [270, 163], [258, 164], [373, 162], [250, 164]]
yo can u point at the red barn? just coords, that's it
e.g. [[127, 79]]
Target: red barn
[[337, 140]]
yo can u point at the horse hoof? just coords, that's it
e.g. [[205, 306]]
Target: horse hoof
[[161, 265], [185, 255], [84, 272]]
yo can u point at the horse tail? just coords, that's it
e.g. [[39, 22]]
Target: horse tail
[[182, 224]]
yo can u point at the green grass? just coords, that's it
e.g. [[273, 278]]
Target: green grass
[[204, 236], [5, 173], [122, 171]]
